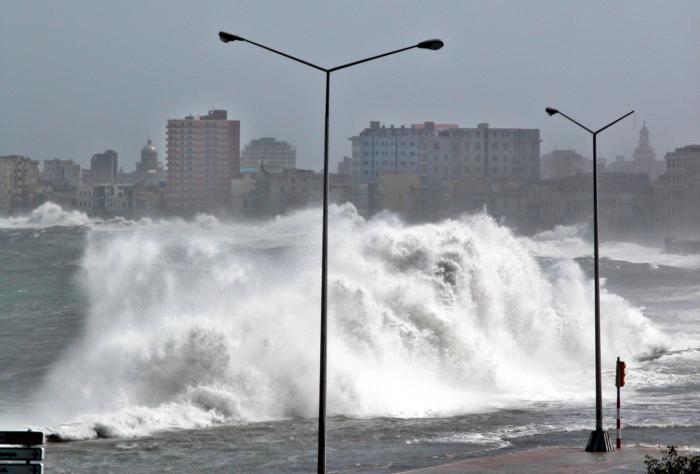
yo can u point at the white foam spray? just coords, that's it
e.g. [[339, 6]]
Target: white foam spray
[[195, 324], [572, 241], [48, 214]]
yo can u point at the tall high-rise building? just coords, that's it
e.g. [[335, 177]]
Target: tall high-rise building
[[203, 155], [267, 151], [103, 167]]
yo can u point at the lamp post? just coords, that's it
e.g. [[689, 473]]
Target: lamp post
[[432, 44], [599, 441]]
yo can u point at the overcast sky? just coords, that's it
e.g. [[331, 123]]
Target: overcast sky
[[77, 77]]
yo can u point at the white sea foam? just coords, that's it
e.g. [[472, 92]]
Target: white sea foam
[[196, 324], [48, 214], [572, 241]]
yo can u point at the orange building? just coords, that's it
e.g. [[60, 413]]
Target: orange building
[[203, 155]]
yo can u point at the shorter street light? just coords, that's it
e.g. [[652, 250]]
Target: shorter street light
[[599, 441], [431, 44]]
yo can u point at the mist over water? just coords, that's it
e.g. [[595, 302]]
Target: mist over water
[[194, 324]]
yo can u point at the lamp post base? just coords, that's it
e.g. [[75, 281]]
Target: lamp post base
[[599, 442]]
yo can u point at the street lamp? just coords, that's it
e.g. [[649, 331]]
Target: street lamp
[[599, 441], [432, 44]]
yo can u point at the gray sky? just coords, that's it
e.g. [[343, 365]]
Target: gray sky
[[78, 77]]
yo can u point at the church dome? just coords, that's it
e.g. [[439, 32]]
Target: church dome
[[149, 148], [149, 157]]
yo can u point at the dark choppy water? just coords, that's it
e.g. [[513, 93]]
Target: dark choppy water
[[53, 280]]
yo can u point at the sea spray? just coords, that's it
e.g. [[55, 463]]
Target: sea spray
[[48, 214], [567, 241], [199, 323]]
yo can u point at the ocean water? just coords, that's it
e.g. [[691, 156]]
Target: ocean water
[[174, 346]]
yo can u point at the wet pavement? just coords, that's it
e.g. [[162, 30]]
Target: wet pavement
[[553, 460]]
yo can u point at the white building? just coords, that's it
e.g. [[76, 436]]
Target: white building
[[438, 153], [106, 199], [61, 173], [380, 149], [267, 151], [677, 192], [497, 153]]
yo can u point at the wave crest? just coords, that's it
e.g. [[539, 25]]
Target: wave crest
[[194, 324]]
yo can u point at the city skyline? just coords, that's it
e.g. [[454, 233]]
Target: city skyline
[[132, 164], [119, 89]]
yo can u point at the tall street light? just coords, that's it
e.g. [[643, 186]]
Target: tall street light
[[599, 441], [432, 44]]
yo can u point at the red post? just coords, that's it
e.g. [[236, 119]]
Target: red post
[[619, 439], [620, 367]]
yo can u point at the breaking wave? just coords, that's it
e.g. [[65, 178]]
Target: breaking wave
[[48, 214], [208, 322], [575, 241]]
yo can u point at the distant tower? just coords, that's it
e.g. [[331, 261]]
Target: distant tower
[[103, 167], [644, 156], [149, 158]]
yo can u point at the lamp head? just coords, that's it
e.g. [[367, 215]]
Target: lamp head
[[228, 37], [550, 111], [433, 44]]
